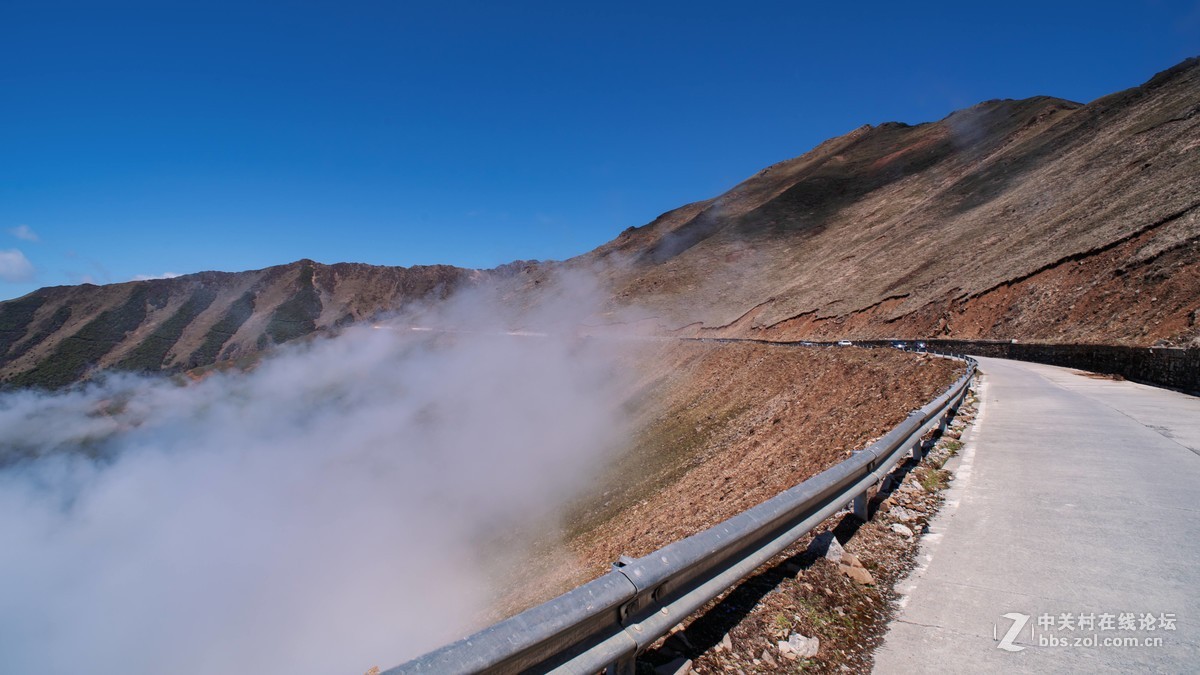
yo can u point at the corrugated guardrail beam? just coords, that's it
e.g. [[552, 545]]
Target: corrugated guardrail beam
[[606, 622]]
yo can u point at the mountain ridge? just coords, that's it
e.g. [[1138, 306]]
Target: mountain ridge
[[1035, 218], [57, 335]]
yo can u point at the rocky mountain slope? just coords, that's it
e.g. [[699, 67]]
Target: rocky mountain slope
[[1038, 219]]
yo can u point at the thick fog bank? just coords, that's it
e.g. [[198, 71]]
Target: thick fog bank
[[331, 510]]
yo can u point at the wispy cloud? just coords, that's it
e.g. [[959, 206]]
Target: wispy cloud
[[148, 277], [99, 274], [24, 233], [15, 267]]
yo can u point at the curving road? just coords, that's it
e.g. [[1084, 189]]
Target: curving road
[[1076, 501]]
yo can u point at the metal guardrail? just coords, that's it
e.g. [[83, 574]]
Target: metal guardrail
[[605, 623]]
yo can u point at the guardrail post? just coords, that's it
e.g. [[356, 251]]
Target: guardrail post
[[860, 506]]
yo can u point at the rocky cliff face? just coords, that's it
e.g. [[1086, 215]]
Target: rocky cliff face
[[1039, 219]]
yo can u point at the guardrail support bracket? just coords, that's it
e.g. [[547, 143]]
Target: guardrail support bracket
[[626, 665], [860, 507]]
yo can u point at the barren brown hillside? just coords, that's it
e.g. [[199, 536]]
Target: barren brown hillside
[[719, 428], [1037, 219]]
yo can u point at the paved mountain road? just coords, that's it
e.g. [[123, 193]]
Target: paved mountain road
[[1073, 495]]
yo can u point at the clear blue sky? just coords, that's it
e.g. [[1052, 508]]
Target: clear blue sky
[[173, 137]]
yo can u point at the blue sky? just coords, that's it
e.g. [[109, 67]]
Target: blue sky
[[138, 139]]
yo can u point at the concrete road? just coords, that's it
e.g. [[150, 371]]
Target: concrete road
[[1075, 502]]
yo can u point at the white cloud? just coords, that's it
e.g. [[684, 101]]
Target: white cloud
[[15, 267], [148, 277], [329, 511], [24, 232]]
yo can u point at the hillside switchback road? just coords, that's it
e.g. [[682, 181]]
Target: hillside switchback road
[[1074, 512]]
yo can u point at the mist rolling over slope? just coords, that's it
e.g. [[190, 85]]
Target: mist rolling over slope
[[341, 506]]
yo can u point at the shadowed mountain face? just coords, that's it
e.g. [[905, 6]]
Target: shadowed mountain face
[[1039, 219]]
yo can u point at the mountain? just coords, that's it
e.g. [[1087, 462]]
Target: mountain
[[55, 336], [1036, 219]]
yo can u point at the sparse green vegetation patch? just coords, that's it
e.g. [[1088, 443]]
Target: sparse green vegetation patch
[[222, 330], [15, 317], [296, 316], [80, 351], [149, 355]]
